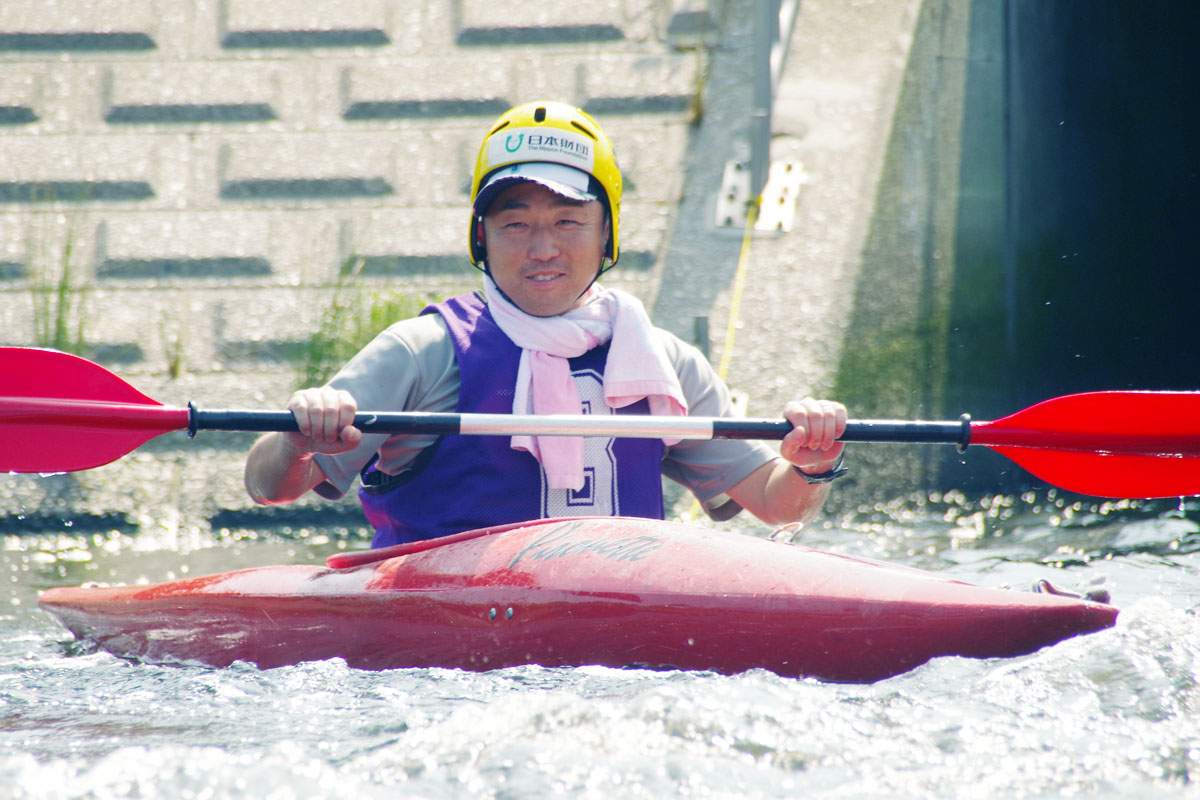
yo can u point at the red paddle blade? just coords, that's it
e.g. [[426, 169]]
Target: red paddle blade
[[61, 413], [1107, 444], [1109, 474]]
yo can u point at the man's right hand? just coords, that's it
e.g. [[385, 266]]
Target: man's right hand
[[326, 420]]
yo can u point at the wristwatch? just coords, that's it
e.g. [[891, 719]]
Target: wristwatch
[[824, 477]]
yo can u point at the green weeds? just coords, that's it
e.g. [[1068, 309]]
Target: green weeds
[[59, 299], [355, 315]]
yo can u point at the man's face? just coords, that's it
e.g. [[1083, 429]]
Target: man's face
[[544, 249]]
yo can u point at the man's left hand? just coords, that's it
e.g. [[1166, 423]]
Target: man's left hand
[[816, 425]]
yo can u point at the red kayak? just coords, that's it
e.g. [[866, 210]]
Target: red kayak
[[569, 592]]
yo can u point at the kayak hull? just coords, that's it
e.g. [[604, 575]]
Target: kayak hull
[[614, 592]]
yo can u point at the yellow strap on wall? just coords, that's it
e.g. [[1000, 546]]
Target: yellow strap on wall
[[735, 305], [739, 285]]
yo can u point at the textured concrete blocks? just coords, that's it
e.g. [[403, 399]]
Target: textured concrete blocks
[[304, 24], [301, 167], [18, 97], [205, 245], [78, 26], [691, 24], [491, 23], [191, 93], [405, 89], [70, 169], [248, 154]]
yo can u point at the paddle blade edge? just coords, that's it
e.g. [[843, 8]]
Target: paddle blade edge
[[62, 413], [1110, 475]]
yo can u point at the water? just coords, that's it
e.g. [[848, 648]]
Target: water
[[1113, 714]]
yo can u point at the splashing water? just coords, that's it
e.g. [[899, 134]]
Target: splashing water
[[1113, 714]]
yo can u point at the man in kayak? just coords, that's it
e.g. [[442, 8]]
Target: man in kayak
[[543, 337]]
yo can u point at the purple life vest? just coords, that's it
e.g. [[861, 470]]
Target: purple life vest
[[465, 482]]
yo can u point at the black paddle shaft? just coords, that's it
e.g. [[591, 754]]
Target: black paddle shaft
[[266, 421], [956, 433]]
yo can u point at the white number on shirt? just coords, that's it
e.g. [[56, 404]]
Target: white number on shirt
[[598, 497]]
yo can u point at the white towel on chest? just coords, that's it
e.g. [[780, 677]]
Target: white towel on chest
[[637, 367]]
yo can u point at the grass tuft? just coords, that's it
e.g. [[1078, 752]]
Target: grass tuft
[[59, 300], [356, 315]]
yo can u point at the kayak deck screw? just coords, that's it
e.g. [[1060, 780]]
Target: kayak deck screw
[[492, 614], [509, 613]]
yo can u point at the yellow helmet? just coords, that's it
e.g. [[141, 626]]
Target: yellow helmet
[[554, 144]]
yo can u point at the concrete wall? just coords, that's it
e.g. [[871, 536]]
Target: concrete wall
[[198, 175], [1105, 194], [893, 360], [204, 169], [1033, 231]]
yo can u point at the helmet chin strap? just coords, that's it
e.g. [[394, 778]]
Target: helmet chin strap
[[487, 270], [588, 288]]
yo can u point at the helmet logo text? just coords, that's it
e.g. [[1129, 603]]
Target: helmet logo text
[[542, 144]]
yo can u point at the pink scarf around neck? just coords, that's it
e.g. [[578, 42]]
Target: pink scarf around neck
[[637, 367]]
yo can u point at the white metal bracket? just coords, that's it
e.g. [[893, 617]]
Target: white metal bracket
[[734, 195], [777, 213]]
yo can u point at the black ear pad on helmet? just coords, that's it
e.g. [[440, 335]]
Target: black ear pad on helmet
[[480, 244]]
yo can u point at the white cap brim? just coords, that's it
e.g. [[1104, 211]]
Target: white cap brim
[[562, 180]]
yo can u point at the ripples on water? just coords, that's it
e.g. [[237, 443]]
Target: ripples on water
[[1114, 714]]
